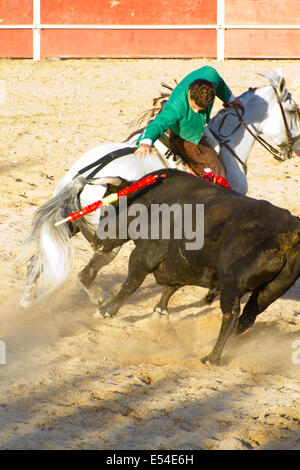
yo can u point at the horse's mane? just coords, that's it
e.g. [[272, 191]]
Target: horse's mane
[[274, 77], [157, 105]]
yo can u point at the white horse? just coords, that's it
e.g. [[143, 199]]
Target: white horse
[[269, 110]]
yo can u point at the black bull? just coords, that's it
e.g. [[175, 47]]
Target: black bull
[[249, 246]]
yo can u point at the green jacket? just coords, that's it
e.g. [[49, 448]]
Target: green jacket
[[177, 114]]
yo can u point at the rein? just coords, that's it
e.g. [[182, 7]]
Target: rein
[[225, 144], [103, 161], [276, 153]]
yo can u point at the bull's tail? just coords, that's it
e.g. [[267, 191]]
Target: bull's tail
[[53, 258]]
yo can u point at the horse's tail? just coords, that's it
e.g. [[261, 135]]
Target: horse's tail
[[53, 258]]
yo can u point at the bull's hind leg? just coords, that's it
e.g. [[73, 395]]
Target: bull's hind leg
[[250, 312], [230, 305], [260, 299], [88, 275]]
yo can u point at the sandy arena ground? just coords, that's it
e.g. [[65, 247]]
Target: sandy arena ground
[[75, 382]]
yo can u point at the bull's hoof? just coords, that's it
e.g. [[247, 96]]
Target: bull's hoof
[[242, 326], [105, 311], [208, 299], [95, 295], [102, 314], [240, 329], [211, 360], [160, 313]]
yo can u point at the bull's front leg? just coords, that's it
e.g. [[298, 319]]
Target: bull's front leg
[[231, 310], [128, 288], [88, 274], [162, 307], [137, 271]]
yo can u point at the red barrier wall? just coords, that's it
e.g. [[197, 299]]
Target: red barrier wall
[[129, 43], [124, 43], [129, 12], [16, 11], [262, 12], [16, 43], [239, 43], [259, 44], [262, 43]]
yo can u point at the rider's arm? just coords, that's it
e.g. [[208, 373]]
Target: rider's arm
[[163, 121], [144, 147], [224, 93]]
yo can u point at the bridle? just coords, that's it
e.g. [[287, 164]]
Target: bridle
[[280, 155], [287, 146]]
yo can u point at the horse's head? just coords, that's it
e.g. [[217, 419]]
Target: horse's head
[[283, 117]]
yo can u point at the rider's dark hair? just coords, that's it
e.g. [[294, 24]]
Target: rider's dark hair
[[202, 92]]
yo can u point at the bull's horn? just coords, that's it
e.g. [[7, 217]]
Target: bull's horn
[[105, 180]]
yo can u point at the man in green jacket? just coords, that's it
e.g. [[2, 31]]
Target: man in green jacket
[[185, 116]]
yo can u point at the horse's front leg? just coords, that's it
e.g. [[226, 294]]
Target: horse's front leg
[[88, 274]]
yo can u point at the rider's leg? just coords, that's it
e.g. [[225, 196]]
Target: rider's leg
[[199, 156]]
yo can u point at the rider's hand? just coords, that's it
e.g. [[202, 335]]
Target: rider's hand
[[143, 150], [236, 104]]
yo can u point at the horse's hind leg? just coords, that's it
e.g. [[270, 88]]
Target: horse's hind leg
[[88, 275]]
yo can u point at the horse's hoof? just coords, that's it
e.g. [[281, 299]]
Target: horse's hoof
[[25, 303], [27, 300]]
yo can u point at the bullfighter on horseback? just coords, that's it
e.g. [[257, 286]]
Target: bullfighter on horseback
[[185, 116]]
